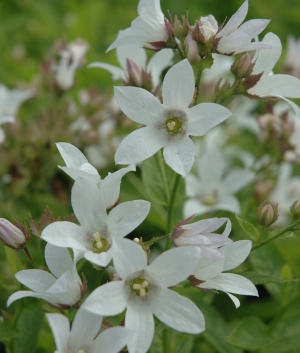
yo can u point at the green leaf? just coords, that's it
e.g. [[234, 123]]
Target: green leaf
[[269, 259], [159, 179], [14, 263], [217, 329], [257, 277], [249, 229], [281, 336], [6, 332], [250, 334], [28, 324]]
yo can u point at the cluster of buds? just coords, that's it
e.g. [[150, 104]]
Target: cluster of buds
[[13, 236], [267, 214]]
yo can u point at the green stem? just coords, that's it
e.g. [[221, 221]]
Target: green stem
[[156, 239], [284, 230], [29, 257], [171, 207], [205, 63], [99, 278], [166, 337], [159, 159]]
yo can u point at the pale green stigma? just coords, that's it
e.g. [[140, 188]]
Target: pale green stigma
[[99, 244], [140, 286], [174, 125]]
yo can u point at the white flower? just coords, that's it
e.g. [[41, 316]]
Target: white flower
[[94, 238], [84, 335], [144, 291], [208, 27], [61, 288], [201, 234], [133, 61], [147, 29], [78, 166], [233, 39], [70, 60], [168, 125], [286, 190], [292, 61], [213, 191], [270, 85], [210, 271]]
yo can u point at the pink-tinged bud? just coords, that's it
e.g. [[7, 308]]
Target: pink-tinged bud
[[11, 235], [135, 72], [205, 29], [267, 214], [242, 67]]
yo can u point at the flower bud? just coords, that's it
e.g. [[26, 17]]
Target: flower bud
[[11, 235], [242, 67], [267, 214], [205, 29], [295, 209], [181, 29], [134, 71]]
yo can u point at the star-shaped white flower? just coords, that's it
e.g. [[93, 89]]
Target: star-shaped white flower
[[212, 190], [168, 124], [62, 287], [133, 61], [210, 271], [84, 335], [201, 234], [94, 238], [149, 27], [144, 291], [78, 166], [234, 39], [270, 85]]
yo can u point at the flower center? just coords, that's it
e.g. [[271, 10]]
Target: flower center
[[99, 244], [140, 286], [81, 351], [210, 199], [174, 125]]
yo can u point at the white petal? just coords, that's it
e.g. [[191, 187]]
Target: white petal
[[139, 319], [67, 235], [204, 116], [253, 46], [131, 51], [266, 59], [76, 173], [102, 259], [85, 327], [22, 294], [108, 300], [60, 327], [140, 145], [229, 203], [72, 156], [58, 260], [174, 266], [179, 86], [179, 154], [124, 218], [233, 42], [234, 21], [89, 206], [209, 267], [237, 179], [254, 27], [192, 207], [193, 186], [234, 299], [177, 312], [158, 63], [139, 105], [128, 257], [230, 282], [235, 253], [211, 166], [7, 119], [277, 85], [204, 226], [112, 340], [117, 72], [110, 186], [37, 280]]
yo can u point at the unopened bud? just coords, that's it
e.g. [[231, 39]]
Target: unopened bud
[[242, 67], [205, 29], [295, 209], [181, 29], [134, 72], [11, 235], [267, 214]]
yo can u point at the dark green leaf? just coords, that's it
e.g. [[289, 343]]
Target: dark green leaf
[[258, 277], [14, 263], [6, 332], [249, 229]]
